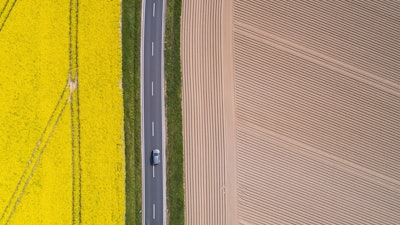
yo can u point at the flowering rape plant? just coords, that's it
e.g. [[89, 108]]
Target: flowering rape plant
[[39, 107]]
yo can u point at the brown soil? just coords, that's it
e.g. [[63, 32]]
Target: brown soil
[[203, 113], [291, 112]]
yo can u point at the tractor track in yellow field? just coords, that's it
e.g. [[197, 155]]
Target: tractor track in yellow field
[[75, 116], [35, 158], [63, 17], [3, 19], [73, 98]]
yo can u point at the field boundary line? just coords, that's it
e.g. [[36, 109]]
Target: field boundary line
[[229, 113], [13, 200]]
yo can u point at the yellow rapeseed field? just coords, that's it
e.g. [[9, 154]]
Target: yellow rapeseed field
[[47, 174]]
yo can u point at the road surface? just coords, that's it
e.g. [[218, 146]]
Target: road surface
[[153, 132]]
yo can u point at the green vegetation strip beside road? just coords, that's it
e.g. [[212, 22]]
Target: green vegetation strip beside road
[[131, 88], [175, 194]]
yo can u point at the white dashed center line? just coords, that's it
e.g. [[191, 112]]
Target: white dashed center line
[[152, 129], [154, 211]]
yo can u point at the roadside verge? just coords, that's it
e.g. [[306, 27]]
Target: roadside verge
[[131, 88], [173, 78]]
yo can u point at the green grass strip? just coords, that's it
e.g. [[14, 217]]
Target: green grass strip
[[175, 194], [131, 89]]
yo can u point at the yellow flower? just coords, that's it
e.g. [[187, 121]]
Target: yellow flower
[[36, 175]]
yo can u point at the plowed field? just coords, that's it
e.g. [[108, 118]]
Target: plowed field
[[202, 94], [293, 109]]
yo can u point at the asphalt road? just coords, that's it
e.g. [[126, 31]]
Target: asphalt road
[[153, 112]]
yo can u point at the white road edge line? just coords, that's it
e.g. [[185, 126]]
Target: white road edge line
[[152, 128], [153, 172], [154, 211], [164, 173], [152, 89], [154, 9], [152, 48], [142, 106]]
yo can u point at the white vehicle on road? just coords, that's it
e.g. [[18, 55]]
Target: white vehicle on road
[[155, 157]]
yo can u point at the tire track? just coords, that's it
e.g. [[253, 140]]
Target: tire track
[[75, 117], [35, 159], [4, 7], [5, 12]]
